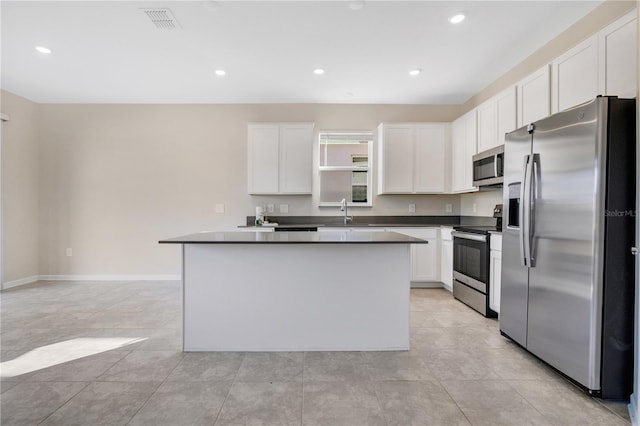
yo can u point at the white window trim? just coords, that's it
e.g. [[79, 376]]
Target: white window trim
[[368, 168]]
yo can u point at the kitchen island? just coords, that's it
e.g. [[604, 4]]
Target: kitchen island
[[295, 291]]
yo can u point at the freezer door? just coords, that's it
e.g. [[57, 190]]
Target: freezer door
[[515, 276], [562, 284]]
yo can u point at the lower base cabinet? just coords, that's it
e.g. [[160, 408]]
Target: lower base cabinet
[[495, 272], [425, 258], [446, 258]]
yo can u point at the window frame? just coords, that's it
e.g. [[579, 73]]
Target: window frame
[[368, 168]]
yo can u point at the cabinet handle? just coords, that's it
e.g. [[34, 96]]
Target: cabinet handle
[[634, 251]]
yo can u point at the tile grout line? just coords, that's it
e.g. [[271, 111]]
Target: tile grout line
[[233, 382], [154, 392], [454, 401], [375, 392], [65, 403]]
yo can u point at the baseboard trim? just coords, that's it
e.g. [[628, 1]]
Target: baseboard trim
[[168, 277], [21, 281], [633, 410], [34, 278]]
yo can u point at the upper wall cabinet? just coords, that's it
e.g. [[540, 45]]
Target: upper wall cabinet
[[411, 158], [280, 158], [496, 117], [464, 132], [574, 76], [618, 57], [534, 97]]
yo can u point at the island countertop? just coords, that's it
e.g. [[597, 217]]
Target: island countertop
[[294, 238]]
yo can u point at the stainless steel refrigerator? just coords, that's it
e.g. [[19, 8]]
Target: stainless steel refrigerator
[[567, 269]]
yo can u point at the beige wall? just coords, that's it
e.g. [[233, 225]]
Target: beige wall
[[117, 178], [19, 188]]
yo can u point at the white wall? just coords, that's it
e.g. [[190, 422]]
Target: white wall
[[484, 202], [20, 207]]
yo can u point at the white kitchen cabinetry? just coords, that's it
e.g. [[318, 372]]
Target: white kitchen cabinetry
[[618, 53], [534, 97], [280, 158], [424, 257], [446, 258], [496, 117], [574, 76], [506, 112], [411, 158], [487, 125], [495, 271], [464, 146]]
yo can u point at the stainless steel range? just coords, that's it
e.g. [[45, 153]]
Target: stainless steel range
[[471, 267]]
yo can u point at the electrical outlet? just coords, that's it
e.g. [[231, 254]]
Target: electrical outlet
[[69, 252], [412, 208], [219, 208], [284, 208], [475, 208], [449, 207], [270, 208]]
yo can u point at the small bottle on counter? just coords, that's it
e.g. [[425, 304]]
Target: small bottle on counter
[[259, 216]]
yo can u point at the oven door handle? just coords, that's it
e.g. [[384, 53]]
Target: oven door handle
[[467, 236]]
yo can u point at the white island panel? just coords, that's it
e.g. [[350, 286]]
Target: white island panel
[[292, 297]]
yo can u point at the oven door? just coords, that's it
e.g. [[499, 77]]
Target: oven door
[[470, 255]]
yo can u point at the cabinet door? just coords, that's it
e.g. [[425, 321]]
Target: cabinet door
[[430, 144], [397, 159], [296, 158], [534, 97], [574, 76], [263, 159], [424, 257], [446, 264], [618, 57], [458, 152], [471, 148], [506, 113], [495, 277], [487, 125], [424, 261]]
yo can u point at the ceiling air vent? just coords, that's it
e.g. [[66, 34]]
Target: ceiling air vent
[[162, 18]]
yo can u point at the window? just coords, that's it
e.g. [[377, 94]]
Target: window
[[345, 168]]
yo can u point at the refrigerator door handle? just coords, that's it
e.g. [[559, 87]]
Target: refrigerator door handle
[[536, 189], [524, 213]]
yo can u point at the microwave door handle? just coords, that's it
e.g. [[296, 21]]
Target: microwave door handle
[[495, 165], [523, 216]]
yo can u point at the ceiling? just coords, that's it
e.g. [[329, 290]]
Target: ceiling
[[111, 52]]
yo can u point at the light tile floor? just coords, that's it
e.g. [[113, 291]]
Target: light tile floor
[[88, 353]]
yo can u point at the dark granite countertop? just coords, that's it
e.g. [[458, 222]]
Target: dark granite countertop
[[294, 238], [293, 222]]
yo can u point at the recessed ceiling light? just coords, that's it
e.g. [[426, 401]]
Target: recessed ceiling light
[[220, 72], [457, 18], [318, 71], [43, 49], [356, 5], [415, 72]]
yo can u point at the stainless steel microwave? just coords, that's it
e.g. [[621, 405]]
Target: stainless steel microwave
[[488, 167]]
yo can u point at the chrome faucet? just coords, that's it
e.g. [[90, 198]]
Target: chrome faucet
[[343, 208]]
